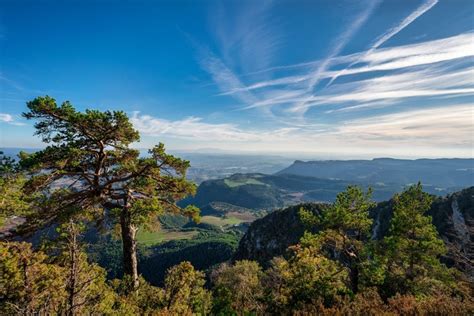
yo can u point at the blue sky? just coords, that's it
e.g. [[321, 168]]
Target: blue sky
[[350, 78]]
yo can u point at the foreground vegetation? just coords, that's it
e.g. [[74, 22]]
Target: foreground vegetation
[[90, 177], [338, 270]]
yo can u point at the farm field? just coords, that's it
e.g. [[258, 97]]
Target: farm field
[[152, 238], [220, 221]]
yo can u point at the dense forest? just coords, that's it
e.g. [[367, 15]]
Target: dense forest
[[89, 175]]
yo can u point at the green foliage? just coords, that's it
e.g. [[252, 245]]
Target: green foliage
[[184, 291], [86, 286], [238, 287], [28, 283], [308, 277], [8, 165], [344, 230], [400, 275], [13, 201], [88, 166], [413, 247], [205, 250], [183, 294]]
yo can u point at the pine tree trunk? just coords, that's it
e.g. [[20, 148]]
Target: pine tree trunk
[[71, 286], [130, 264], [354, 276]]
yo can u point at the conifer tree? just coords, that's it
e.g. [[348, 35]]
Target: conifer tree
[[85, 283], [413, 247], [184, 291], [13, 201], [89, 166], [344, 230], [7, 164]]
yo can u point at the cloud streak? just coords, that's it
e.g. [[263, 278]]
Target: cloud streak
[[433, 68], [342, 40], [9, 119], [391, 33]]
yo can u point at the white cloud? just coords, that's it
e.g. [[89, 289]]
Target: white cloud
[[9, 119], [437, 127], [224, 77], [429, 69], [246, 36], [435, 131], [390, 33], [195, 129], [6, 118], [436, 76], [392, 58]]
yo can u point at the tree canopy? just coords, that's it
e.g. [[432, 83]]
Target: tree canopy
[[89, 167]]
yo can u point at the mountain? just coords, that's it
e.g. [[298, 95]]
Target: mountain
[[257, 191], [452, 215], [439, 174]]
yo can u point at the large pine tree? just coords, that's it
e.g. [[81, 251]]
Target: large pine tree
[[89, 166]]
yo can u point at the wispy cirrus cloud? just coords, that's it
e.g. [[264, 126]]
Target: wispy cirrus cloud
[[426, 67], [389, 34], [224, 77], [341, 41], [427, 79], [248, 38], [386, 59]]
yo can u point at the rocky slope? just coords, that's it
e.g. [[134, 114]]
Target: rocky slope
[[453, 217]]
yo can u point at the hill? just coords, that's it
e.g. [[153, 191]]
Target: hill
[[452, 215], [256, 191], [443, 175]]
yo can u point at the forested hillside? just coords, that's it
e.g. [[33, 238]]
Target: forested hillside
[[453, 217]]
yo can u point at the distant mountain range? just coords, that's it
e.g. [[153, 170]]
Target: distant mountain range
[[444, 174]]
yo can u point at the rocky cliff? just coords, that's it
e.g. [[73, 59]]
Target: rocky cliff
[[452, 215]]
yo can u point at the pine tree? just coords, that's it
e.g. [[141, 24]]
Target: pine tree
[[89, 165], [13, 201], [413, 247], [306, 278], [344, 231], [184, 291], [85, 283]]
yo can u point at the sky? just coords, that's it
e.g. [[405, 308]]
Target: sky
[[349, 78]]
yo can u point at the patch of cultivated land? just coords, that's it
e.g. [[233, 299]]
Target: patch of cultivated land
[[243, 216], [152, 238], [220, 221], [236, 183]]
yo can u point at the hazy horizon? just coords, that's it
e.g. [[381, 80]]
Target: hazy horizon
[[306, 156]]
